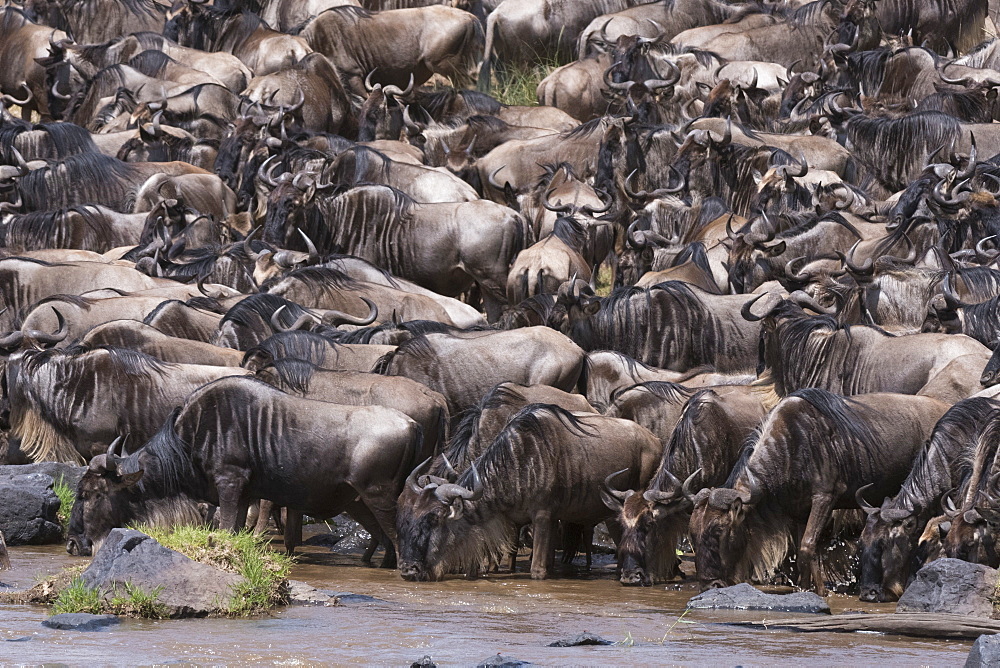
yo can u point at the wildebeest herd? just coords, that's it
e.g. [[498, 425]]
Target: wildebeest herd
[[279, 253]]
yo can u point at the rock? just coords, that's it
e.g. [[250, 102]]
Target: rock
[[582, 639], [747, 597], [346, 598], [68, 473], [28, 508], [299, 593], [985, 652], [189, 589], [499, 661], [21, 639], [80, 621], [952, 586], [424, 662]]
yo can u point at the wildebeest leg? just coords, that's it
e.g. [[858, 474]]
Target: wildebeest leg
[[810, 573], [265, 509], [588, 544], [293, 530], [384, 512], [363, 516], [233, 502], [542, 544]]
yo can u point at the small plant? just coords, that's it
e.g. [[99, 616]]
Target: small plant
[[78, 597], [67, 497], [136, 602]]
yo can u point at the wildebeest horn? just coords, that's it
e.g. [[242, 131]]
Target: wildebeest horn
[[727, 136], [563, 208], [447, 493], [805, 301], [313, 253], [729, 229], [859, 496], [299, 323], [22, 164], [982, 255], [11, 341], [246, 245], [636, 242], [911, 256], [954, 82], [654, 84], [957, 198], [605, 198], [748, 314], [411, 480], [298, 105], [412, 128], [264, 173], [790, 269], [642, 194], [866, 269], [970, 169], [491, 178], [617, 493], [53, 338], [56, 94], [614, 85], [395, 91], [10, 99], [452, 473], [686, 487], [338, 318], [368, 81]]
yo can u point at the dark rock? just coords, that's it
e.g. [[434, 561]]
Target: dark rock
[[424, 662], [747, 597], [582, 639], [28, 508], [299, 593], [985, 652], [323, 540], [346, 598], [21, 639], [499, 661], [952, 586], [80, 621], [68, 473], [188, 588]]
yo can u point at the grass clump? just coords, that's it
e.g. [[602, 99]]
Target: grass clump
[[265, 572], [67, 498], [515, 85], [130, 600]]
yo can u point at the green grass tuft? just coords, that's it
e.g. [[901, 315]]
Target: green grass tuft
[[77, 597], [67, 497], [515, 85], [265, 571], [132, 602]]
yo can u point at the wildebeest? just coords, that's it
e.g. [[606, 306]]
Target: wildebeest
[[889, 555], [464, 366], [546, 465], [66, 405], [236, 440], [702, 449], [787, 484]]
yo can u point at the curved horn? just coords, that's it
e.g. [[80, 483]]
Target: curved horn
[[790, 269], [564, 208], [866, 269], [748, 314], [55, 337], [394, 90], [491, 178], [686, 487], [246, 245], [10, 99], [313, 253], [338, 318], [859, 496], [982, 254], [970, 169], [642, 194], [12, 341], [56, 94], [368, 82], [299, 323], [298, 105], [264, 173], [617, 493], [452, 473], [411, 480]]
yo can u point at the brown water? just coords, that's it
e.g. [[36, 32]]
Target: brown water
[[456, 622]]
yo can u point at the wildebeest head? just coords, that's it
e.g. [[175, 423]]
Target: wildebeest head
[[290, 195], [105, 499], [972, 535], [719, 536], [64, 83], [433, 518], [650, 525], [888, 541], [381, 115]]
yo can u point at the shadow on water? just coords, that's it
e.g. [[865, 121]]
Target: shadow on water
[[457, 622]]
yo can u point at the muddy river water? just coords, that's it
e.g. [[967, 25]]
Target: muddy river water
[[456, 622]]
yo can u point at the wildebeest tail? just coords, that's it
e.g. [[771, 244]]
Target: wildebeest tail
[[485, 70]]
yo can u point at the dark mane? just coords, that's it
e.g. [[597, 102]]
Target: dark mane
[[166, 460], [262, 306], [303, 346], [293, 375], [672, 392]]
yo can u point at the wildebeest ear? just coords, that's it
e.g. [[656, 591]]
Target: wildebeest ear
[[736, 508], [130, 479], [943, 529], [592, 306], [457, 508], [776, 249]]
